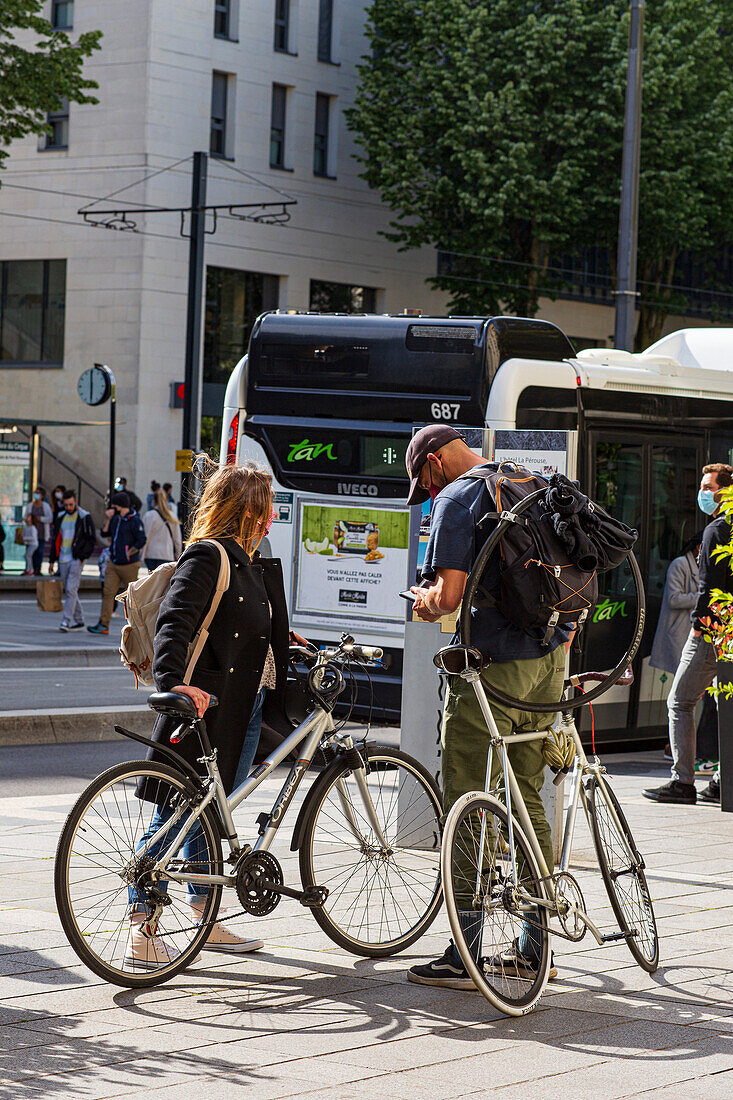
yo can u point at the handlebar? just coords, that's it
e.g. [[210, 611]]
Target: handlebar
[[598, 677], [344, 651]]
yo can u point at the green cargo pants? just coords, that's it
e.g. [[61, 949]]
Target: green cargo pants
[[465, 738]]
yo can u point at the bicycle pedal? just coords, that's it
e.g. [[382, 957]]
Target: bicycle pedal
[[314, 897], [613, 936]]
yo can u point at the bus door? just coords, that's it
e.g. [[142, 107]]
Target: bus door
[[651, 485]]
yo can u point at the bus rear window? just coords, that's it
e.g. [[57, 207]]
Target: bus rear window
[[312, 364]]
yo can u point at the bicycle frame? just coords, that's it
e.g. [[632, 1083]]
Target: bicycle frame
[[515, 803], [310, 731]]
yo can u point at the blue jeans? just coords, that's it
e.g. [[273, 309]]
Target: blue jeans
[[194, 847], [251, 740]]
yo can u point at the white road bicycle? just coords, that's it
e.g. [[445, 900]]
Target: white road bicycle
[[497, 885], [367, 836]]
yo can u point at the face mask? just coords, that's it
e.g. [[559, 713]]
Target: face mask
[[270, 522], [433, 490], [706, 502], [58, 496], [36, 496]]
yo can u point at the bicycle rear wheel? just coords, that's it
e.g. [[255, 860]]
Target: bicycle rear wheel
[[487, 913], [103, 886], [379, 901], [622, 868]]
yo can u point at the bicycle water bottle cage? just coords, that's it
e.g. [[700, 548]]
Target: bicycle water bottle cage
[[457, 659]]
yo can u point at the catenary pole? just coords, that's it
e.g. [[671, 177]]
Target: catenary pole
[[192, 389], [628, 231]]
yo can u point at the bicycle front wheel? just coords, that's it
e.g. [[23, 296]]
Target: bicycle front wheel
[[380, 900], [501, 933], [125, 923], [622, 868]]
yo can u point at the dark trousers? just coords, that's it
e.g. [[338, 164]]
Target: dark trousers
[[38, 555]]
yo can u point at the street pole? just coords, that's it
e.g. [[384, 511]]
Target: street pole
[[112, 424], [192, 388], [628, 231]]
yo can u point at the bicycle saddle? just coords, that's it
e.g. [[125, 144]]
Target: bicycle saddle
[[175, 705], [455, 659]]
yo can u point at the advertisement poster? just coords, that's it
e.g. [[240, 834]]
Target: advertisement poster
[[541, 452], [351, 563]]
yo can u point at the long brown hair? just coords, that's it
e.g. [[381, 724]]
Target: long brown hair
[[161, 505], [236, 503]]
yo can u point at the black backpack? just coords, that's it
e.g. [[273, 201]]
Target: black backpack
[[552, 553]]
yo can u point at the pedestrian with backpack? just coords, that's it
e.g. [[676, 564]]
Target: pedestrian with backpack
[[162, 532], [522, 664], [239, 654]]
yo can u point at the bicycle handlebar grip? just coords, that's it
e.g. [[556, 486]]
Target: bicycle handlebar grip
[[368, 652]]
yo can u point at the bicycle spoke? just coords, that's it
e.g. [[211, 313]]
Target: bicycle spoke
[[377, 895]]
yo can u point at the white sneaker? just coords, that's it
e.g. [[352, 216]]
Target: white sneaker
[[148, 952], [220, 937]]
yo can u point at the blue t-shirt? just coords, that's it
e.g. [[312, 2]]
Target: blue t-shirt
[[455, 542]]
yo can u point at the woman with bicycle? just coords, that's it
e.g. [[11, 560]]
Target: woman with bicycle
[[243, 663]]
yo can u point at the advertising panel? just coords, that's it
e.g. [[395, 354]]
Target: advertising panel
[[351, 563]]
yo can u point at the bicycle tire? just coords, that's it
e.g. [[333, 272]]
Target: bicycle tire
[[326, 833], [500, 982], [632, 908], [122, 838], [472, 584]]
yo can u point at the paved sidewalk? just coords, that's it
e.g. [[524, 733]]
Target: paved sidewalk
[[304, 1018]]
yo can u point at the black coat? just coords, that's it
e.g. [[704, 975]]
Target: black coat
[[231, 662]]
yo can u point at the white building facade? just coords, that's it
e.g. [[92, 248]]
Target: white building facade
[[262, 87]]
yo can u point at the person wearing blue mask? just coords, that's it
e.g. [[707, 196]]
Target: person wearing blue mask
[[697, 668]]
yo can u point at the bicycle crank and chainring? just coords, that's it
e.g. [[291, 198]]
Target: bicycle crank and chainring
[[570, 906], [256, 875]]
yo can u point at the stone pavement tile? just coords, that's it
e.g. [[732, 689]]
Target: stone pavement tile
[[25, 960], [644, 1073], [523, 1059], [99, 1085], [684, 1010], [480, 1038], [711, 1085]]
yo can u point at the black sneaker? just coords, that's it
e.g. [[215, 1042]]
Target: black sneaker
[[512, 962], [674, 791], [711, 793], [448, 972]]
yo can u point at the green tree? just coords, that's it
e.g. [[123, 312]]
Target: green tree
[[493, 131], [39, 67]]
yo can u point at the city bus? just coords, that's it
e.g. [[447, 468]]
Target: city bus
[[329, 402]]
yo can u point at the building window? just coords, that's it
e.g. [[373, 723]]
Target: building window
[[62, 15], [277, 126], [325, 29], [219, 96], [282, 26], [223, 18], [320, 137], [342, 298], [234, 301], [57, 136], [32, 304]]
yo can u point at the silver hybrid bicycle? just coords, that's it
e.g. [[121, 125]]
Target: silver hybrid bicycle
[[497, 885], [367, 836]]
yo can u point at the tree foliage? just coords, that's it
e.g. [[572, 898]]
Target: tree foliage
[[494, 133], [39, 67]]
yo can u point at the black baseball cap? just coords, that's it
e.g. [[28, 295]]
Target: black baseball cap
[[427, 441]]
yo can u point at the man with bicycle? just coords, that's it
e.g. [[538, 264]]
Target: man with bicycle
[[520, 665]]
